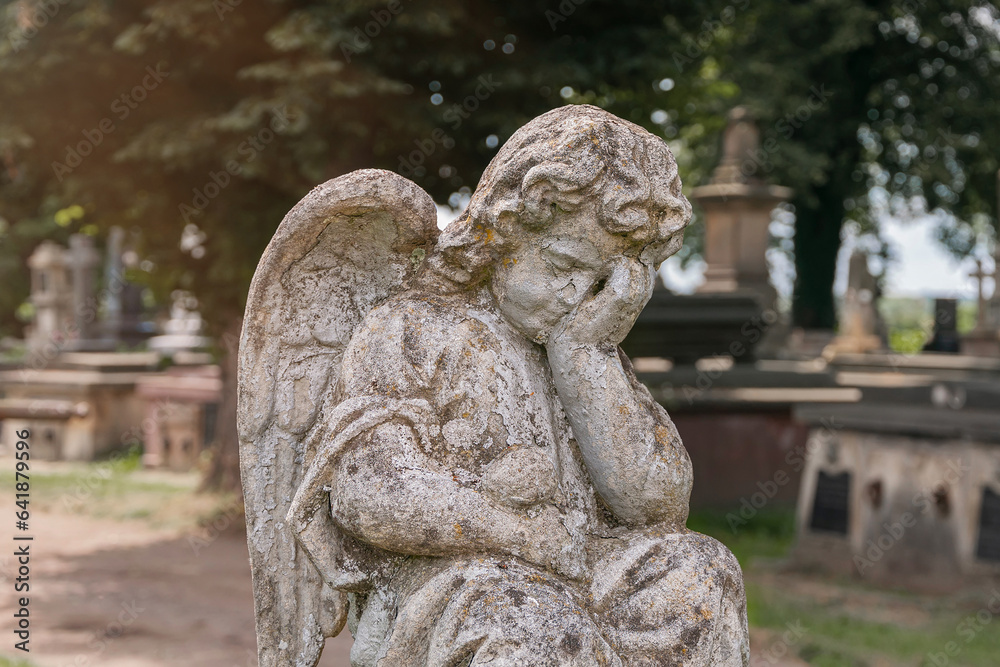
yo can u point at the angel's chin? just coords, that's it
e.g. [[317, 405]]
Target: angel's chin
[[540, 333], [533, 333]]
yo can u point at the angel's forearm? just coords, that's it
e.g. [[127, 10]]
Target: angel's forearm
[[634, 458], [416, 511]]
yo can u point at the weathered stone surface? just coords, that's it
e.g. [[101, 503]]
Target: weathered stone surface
[[442, 444]]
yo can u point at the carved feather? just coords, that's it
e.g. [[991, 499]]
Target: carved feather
[[346, 247]]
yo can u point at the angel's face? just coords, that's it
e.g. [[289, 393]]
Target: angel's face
[[548, 274]]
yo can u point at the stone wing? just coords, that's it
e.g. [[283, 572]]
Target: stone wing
[[346, 247]]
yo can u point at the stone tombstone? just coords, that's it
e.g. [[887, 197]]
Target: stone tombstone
[[945, 336], [993, 312], [183, 331], [737, 204], [904, 486], [984, 339], [859, 321], [64, 295], [51, 296], [83, 260], [114, 281], [442, 446]]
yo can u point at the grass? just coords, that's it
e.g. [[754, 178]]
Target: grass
[[768, 535], [14, 662], [851, 625], [835, 636], [910, 321], [120, 489]]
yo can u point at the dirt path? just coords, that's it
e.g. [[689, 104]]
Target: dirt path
[[120, 594]]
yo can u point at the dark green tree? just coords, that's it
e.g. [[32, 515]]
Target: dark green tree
[[196, 124], [872, 107]]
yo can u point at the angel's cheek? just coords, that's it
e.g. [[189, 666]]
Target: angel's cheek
[[525, 301], [565, 292], [570, 290]]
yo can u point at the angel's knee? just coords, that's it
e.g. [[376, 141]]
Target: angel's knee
[[676, 599]]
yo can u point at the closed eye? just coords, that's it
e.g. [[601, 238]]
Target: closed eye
[[560, 261], [566, 254]]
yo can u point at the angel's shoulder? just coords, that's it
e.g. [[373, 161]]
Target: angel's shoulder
[[414, 312], [417, 324]]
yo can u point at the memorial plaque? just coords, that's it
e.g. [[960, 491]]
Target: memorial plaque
[[988, 547], [829, 510]]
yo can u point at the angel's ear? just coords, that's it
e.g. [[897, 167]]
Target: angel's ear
[[509, 223], [540, 205]]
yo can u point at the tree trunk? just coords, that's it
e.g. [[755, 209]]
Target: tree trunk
[[819, 213], [223, 473], [817, 243]]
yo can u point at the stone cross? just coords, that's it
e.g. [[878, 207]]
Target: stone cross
[[994, 301], [980, 275], [443, 447]]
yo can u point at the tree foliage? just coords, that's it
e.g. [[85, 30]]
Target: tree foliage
[[909, 123], [196, 124]]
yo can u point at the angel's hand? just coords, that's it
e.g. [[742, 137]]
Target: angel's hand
[[607, 314], [549, 544]]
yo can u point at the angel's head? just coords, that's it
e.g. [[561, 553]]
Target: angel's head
[[568, 195]]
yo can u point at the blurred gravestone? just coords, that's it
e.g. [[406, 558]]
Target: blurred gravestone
[[945, 337], [984, 339], [737, 206], [51, 298], [737, 295], [905, 483], [859, 325]]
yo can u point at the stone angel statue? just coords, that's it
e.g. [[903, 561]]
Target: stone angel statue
[[443, 446]]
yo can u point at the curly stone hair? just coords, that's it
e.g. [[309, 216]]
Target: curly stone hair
[[559, 159]]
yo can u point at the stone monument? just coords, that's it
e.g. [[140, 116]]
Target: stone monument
[[860, 323], [183, 331], [944, 337], [52, 298], [738, 207], [82, 262], [984, 339], [74, 312], [442, 446], [114, 282]]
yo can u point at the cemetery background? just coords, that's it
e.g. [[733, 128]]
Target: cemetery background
[[156, 147]]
